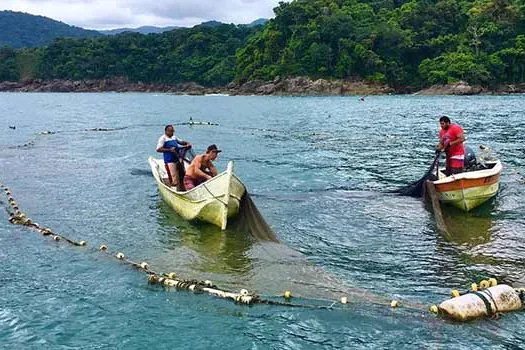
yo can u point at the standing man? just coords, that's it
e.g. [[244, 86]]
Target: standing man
[[451, 140], [201, 168], [168, 145]]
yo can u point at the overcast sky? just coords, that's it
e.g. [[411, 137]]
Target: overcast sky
[[109, 14]]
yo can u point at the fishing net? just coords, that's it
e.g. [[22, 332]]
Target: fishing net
[[251, 221], [416, 189]]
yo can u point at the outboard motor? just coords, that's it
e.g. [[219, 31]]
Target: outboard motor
[[470, 158]]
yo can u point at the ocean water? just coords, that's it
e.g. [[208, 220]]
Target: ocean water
[[321, 171]]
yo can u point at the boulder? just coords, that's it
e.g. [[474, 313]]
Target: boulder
[[458, 88]]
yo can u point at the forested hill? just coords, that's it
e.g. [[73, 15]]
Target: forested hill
[[203, 54], [18, 29], [402, 43]]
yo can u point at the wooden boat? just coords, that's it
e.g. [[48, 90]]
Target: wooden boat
[[469, 189], [214, 201]]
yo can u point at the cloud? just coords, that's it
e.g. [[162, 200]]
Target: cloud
[[104, 14]]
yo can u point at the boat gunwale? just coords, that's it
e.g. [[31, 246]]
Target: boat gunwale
[[184, 194], [472, 175]]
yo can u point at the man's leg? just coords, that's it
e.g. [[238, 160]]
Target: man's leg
[[188, 183], [456, 166], [171, 169]]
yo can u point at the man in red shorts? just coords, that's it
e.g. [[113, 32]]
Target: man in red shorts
[[451, 140], [201, 168]]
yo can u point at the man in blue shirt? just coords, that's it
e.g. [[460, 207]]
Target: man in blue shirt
[[169, 146]]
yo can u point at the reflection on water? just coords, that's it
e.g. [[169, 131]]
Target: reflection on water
[[467, 228], [202, 247]]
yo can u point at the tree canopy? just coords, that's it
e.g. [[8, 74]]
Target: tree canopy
[[398, 42]]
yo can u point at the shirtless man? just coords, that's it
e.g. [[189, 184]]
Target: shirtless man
[[201, 168]]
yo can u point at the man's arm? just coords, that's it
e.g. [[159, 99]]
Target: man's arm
[[161, 149], [459, 138], [212, 168], [160, 146], [197, 168], [183, 143]]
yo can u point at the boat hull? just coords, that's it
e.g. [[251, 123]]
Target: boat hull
[[214, 201], [469, 190]]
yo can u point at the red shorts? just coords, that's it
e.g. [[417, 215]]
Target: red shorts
[[190, 182]]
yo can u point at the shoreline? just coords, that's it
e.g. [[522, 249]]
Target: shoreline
[[299, 86]]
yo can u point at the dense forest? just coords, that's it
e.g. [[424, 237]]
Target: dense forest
[[394, 41], [402, 43], [18, 30]]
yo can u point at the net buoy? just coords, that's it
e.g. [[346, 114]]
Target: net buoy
[[487, 302], [484, 284]]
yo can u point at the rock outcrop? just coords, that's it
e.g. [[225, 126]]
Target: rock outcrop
[[297, 86], [459, 88]]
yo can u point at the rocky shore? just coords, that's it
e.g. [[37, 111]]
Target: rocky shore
[[299, 86]]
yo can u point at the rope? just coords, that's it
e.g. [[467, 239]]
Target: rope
[[488, 306], [207, 189], [168, 280]]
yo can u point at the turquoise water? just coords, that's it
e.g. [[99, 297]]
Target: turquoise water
[[319, 169]]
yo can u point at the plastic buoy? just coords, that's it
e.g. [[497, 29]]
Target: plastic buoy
[[493, 282], [120, 256], [172, 275], [434, 309], [144, 265], [455, 293], [394, 303], [103, 247], [56, 238], [487, 302], [484, 284], [82, 243], [344, 300], [474, 287], [287, 294], [244, 292], [208, 283]]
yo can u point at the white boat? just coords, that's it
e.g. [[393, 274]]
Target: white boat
[[470, 189], [214, 201]]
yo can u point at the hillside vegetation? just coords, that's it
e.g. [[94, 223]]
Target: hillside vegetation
[[20, 30], [402, 43]]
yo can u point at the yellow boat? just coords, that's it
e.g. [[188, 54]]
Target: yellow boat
[[470, 189], [214, 201]]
